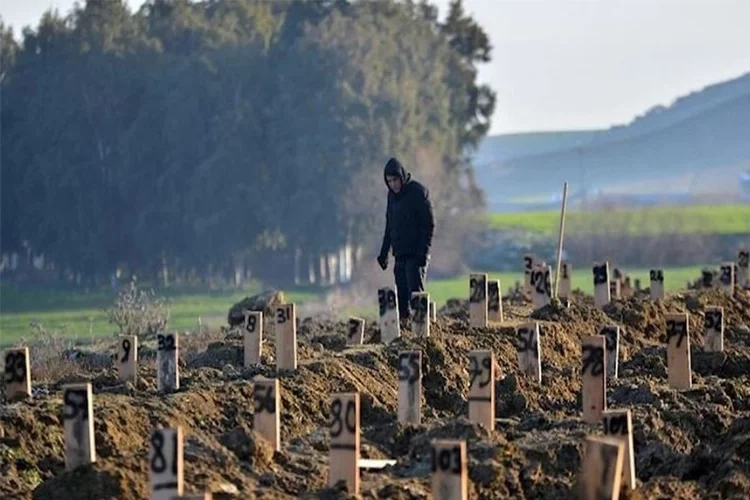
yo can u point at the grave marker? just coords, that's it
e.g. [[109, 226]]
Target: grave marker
[[78, 425], [743, 268], [657, 283], [478, 300], [449, 470], [344, 448], [565, 293], [433, 311], [618, 424], [707, 278], [127, 358], [356, 333], [253, 338], [726, 277], [482, 388], [678, 351], [494, 301], [541, 293], [594, 387], [267, 409], [168, 369], [529, 355], [601, 474], [166, 463], [410, 387], [17, 374], [286, 337], [713, 340], [614, 289], [388, 314], [528, 265], [420, 303], [601, 284], [611, 334], [626, 290]]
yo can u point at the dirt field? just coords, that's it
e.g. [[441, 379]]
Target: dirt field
[[688, 444]]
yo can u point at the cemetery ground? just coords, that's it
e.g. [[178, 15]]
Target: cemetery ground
[[688, 444], [82, 316]]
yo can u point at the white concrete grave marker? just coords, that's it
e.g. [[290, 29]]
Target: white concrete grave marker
[[601, 284], [528, 265], [618, 424], [410, 387], [482, 388], [478, 300], [726, 277], [420, 304], [679, 370], [601, 468], [449, 470], [252, 338], [541, 285], [166, 465], [494, 301], [286, 337], [565, 291], [127, 358], [17, 374], [611, 334], [529, 352], [657, 283], [356, 332], [168, 369], [78, 425], [388, 313], [433, 311], [594, 378], [267, 409], [713, 340], [345, 440]]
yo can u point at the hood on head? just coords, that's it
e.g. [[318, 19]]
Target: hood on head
[[394, 167]]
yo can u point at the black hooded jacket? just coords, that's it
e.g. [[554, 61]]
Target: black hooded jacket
[[409, 220]]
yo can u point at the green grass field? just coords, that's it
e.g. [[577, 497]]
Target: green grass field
[[82, 316], [692, 219]]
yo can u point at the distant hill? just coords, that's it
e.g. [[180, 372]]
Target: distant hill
[[700, 143]]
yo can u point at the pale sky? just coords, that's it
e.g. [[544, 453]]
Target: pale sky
[[579, 64]]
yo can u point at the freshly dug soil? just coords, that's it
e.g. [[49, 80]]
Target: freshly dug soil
[[688, 444]]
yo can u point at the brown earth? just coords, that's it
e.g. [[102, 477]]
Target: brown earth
[[688, 444]]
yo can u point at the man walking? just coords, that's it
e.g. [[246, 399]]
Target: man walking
[[409, 226]]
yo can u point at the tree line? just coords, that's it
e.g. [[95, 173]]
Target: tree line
[[235, 138]]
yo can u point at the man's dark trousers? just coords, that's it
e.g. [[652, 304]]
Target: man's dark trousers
[[410, 277]]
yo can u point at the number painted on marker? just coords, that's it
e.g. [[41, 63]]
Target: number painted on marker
[[75, 404], [477, 369], [125, 350], [159, 461], [616, 425], [678, 329], [600, 275], [15, 367], [265, 399], [340, 422], [166, 342], [447, 460], [409, 369], [593, 360]]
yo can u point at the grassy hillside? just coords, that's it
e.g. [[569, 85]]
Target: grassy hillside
[[693, 219]]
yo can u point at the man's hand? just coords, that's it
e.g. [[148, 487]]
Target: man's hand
[[383, 261]]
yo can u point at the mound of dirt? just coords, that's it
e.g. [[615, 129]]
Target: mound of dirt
[[688, 444]]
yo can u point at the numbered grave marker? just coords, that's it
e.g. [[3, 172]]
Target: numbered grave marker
[[726, 277], [433, 311], [714, 325], [482, 388], [286, 337], [707, 278], [494, 301], [267, 409], [17, 374], [565, 290], [420, 303], [529, 352], [601, 284], [344, 431], [356, 333], [657, 283], [166, 465], [478, 300], [388, 314], [78, 425], [679, 371], [614, 289], [618, 424], [528, 265], [743, 268], [253, 338], [168, 369], [611, 334], [541, 293], [594, 389], [127, 358], [450, 479], [410, 387], [601, 470]]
